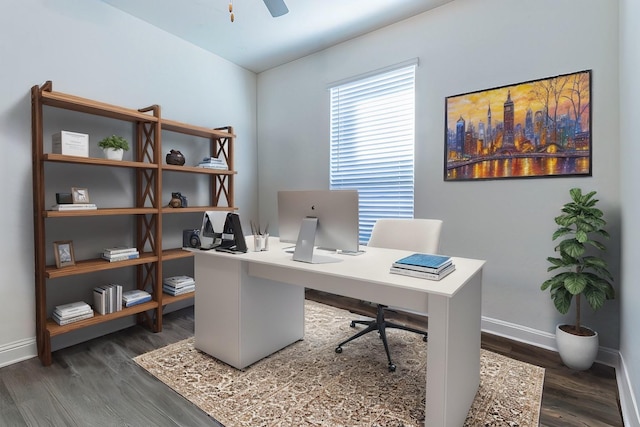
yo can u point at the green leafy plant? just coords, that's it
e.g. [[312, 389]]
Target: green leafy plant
[[115, 142], [579, 224]]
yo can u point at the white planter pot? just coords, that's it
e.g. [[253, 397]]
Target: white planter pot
[[577, 352], [113, 154]]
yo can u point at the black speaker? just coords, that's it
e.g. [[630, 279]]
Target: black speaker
[[232, 235]]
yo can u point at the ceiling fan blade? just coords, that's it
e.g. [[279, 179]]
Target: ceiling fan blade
[[276, 7]]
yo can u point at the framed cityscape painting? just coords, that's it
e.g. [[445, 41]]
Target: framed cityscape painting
[[539, 128]]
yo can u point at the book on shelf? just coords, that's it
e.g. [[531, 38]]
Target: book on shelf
[[66, 320], [107, 299], [135, 296], [119, 250], [120, 257], [74, 207], [213, 163], [131, 303], [179, 281], [424, 262], [423, 274], [178, 291], [72, 308]]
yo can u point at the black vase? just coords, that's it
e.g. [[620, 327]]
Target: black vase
[[175, 157]]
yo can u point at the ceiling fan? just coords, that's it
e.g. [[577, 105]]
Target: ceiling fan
[[276, 8]]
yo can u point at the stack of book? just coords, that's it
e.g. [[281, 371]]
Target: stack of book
[[74, 207], [135, 297], [178, 285], [213, 163], [72, 312], [107, 299], [120, 253], [425, 266]]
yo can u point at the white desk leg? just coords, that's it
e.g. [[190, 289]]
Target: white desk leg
[[453, 355]]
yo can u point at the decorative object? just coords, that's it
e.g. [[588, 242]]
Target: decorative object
[[305, 384], [64, 198], [582, 273], [114, 147], [79, 195], [539, 128], [175, 157], [178, 200], [63, 253], [70, 143]]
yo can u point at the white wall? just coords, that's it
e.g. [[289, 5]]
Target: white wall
[[466, 46], [92, 50], [629, 375]]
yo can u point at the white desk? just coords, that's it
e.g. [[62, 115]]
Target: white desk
[[248, 306]]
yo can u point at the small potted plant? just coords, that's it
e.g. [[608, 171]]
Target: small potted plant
[[582, 272], [114, 147]]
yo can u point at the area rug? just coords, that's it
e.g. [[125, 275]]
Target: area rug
[[308, 384]]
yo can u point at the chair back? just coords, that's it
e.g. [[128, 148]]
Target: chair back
[[418, 235]]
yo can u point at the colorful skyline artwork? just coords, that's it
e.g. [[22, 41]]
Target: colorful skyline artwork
[[539, 128]]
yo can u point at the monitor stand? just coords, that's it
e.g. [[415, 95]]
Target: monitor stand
[[306, 242]]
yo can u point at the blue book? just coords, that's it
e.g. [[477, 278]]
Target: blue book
[[424, 262]]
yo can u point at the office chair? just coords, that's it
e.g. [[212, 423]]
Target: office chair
[[418, 235]]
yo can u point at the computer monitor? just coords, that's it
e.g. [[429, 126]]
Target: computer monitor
[[327, 219]]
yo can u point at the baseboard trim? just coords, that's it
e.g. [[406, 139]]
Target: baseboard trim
[[606, 356], [628, 403], [18, 351]]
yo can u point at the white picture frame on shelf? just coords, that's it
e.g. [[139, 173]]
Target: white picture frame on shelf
[[79, 195]]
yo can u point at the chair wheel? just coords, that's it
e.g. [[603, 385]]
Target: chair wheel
[[338, 349], [392, 367], [424, 338], [353, 324]]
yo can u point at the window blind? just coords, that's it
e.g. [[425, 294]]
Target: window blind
[[372, 144]]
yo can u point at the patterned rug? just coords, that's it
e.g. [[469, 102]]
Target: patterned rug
[[308, 384]]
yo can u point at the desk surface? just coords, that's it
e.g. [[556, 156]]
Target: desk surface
[[371, 266]]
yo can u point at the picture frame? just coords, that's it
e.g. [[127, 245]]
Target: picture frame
[[79, 195], [534, 129], [63, 253]]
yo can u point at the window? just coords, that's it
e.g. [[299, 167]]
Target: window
[[372, 143]]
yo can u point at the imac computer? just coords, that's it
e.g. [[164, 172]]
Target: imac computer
[[326, 219]]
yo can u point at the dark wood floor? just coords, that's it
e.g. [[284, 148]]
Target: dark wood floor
[[97, 384], [569, 398]]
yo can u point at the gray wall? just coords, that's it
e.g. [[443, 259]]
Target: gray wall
[[92, 50], [470, 45], [465, 46], [629, 374]]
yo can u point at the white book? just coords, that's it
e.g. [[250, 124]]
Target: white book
[[99, 299], [179, 281], [72, 308], [121, 257], [119, 250], [423, 274], [174, 291], [66, 321], [134, 294], [74, 207]]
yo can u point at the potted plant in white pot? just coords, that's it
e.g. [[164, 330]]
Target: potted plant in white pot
[[114, 147], [582, 273]]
